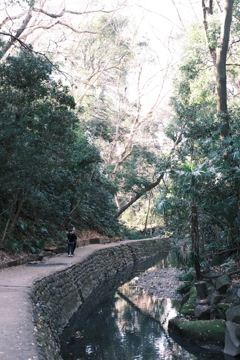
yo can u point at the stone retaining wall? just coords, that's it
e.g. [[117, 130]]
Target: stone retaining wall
[[82, 286]]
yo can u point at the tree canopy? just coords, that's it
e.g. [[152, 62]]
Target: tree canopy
[[49, 171], [87, 136]]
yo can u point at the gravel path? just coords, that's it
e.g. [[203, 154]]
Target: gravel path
[[161, 283]]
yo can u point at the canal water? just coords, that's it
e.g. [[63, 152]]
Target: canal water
[[130, 325]]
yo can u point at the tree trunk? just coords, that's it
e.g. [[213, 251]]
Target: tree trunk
[[16, 217], [148, 210], [207, 7], [13, 216], [221, 58], [151, 186], [139, 194], [16, 37], [195, 240], [8, 222]]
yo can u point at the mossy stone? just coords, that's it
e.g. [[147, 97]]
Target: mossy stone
[[200, 332], [189, 306], [221, 310]]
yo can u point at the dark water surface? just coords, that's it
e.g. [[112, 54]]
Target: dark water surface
[[119, 330]]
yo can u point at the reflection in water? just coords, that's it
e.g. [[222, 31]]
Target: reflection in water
[[120, 331], [161, 310], [131, 325], [169, 261], [117, 330]]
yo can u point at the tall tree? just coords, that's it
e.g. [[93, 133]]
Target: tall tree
[[198, 175], [219, 49], [49, 172], [31, 134], [112, 90]]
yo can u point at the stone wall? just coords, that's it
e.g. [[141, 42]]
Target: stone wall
[[83, 286]]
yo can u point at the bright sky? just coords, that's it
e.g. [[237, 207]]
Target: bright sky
[[156, 20], [160, 21]]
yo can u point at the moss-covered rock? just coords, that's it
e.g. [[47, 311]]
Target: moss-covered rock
[[189, 306], [200, 332], [221, 310], [184, 288]]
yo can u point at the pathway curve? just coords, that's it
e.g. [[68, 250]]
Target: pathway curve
[[17, 340]]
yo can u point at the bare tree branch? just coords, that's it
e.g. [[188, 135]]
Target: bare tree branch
[[64, 11], [207, 8], [11, 18], [74, 29], [219, 5], [18, 33], [150, 186], [32, 15], [29, 49], [140, 193], [179, 17], [164, 17]]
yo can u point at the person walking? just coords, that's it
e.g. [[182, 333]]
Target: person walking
[[72, 240], [75, 242]]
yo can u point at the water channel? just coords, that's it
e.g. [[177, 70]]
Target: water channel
[[130, 325]]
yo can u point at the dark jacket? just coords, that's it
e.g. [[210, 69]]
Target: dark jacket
[[72, 237]]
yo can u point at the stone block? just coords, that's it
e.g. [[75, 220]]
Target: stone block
[[210, 290], [232, 341], [221, 310], [202, 312], [201, 288], [223, 283], [94, 241], [236, 301], [216, 298], [231, 294], [201, 302], [213, 273], [233, 314], [213, 314]]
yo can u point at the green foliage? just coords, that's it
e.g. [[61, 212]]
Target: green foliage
[[204, 168], [14, 246], [33, 246], [132, 234], [187, 276], [49, 171], [135, 173], [115, 124]]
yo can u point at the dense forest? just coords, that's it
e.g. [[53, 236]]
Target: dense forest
[[100, 130]]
